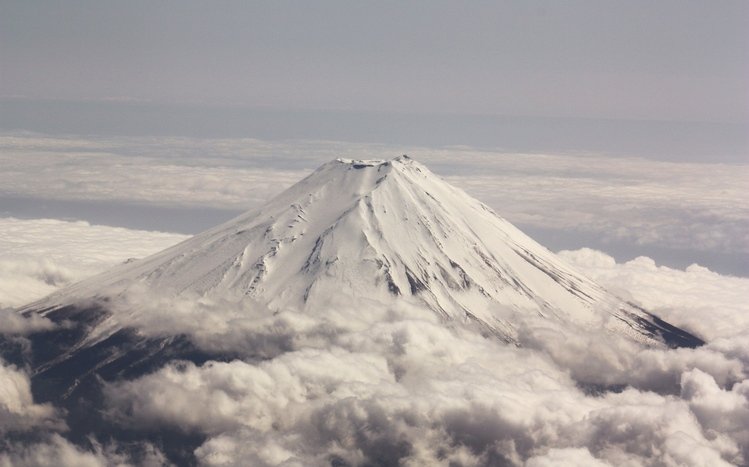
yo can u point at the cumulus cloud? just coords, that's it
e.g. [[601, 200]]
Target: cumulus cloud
[[567, 457], [38, 256], [704, 302], [718, 410], [13, 323], [612, 360], [454, 404], [18, 412], [31, 433], [393, 385], [56, 451]]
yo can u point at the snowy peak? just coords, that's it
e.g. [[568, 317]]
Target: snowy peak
[[358, 232], [354, 178]]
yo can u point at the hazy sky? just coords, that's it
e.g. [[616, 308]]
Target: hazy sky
[[669, 60]]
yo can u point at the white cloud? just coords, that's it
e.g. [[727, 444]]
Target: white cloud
[[699, 207], [38, 256], [18, 412], [611, 360], [13, 323], [359, 387], [417, 388], [164, 171], [40, 425], [56, 451], [675, 205], [568, 457], [707, 303], [718, 410], [459, 402]]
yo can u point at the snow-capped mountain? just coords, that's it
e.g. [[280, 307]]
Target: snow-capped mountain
[[377, 231]]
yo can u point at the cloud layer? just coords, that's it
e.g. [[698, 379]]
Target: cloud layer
[[392, 383], [701, 207], [697, 299], [387, 385], [38, 256]]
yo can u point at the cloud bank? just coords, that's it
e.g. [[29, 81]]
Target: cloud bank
[[699, 207], [697, 299], [38, 256], [388, 385]]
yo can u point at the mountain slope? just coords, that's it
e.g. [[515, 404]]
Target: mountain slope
[[355, 232]]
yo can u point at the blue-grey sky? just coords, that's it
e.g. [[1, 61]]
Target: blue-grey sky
[[665, 60]]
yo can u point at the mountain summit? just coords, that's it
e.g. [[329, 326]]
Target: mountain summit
[[362, 231]]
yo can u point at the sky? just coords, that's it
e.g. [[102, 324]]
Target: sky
[[661, 80], [669, 60]]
